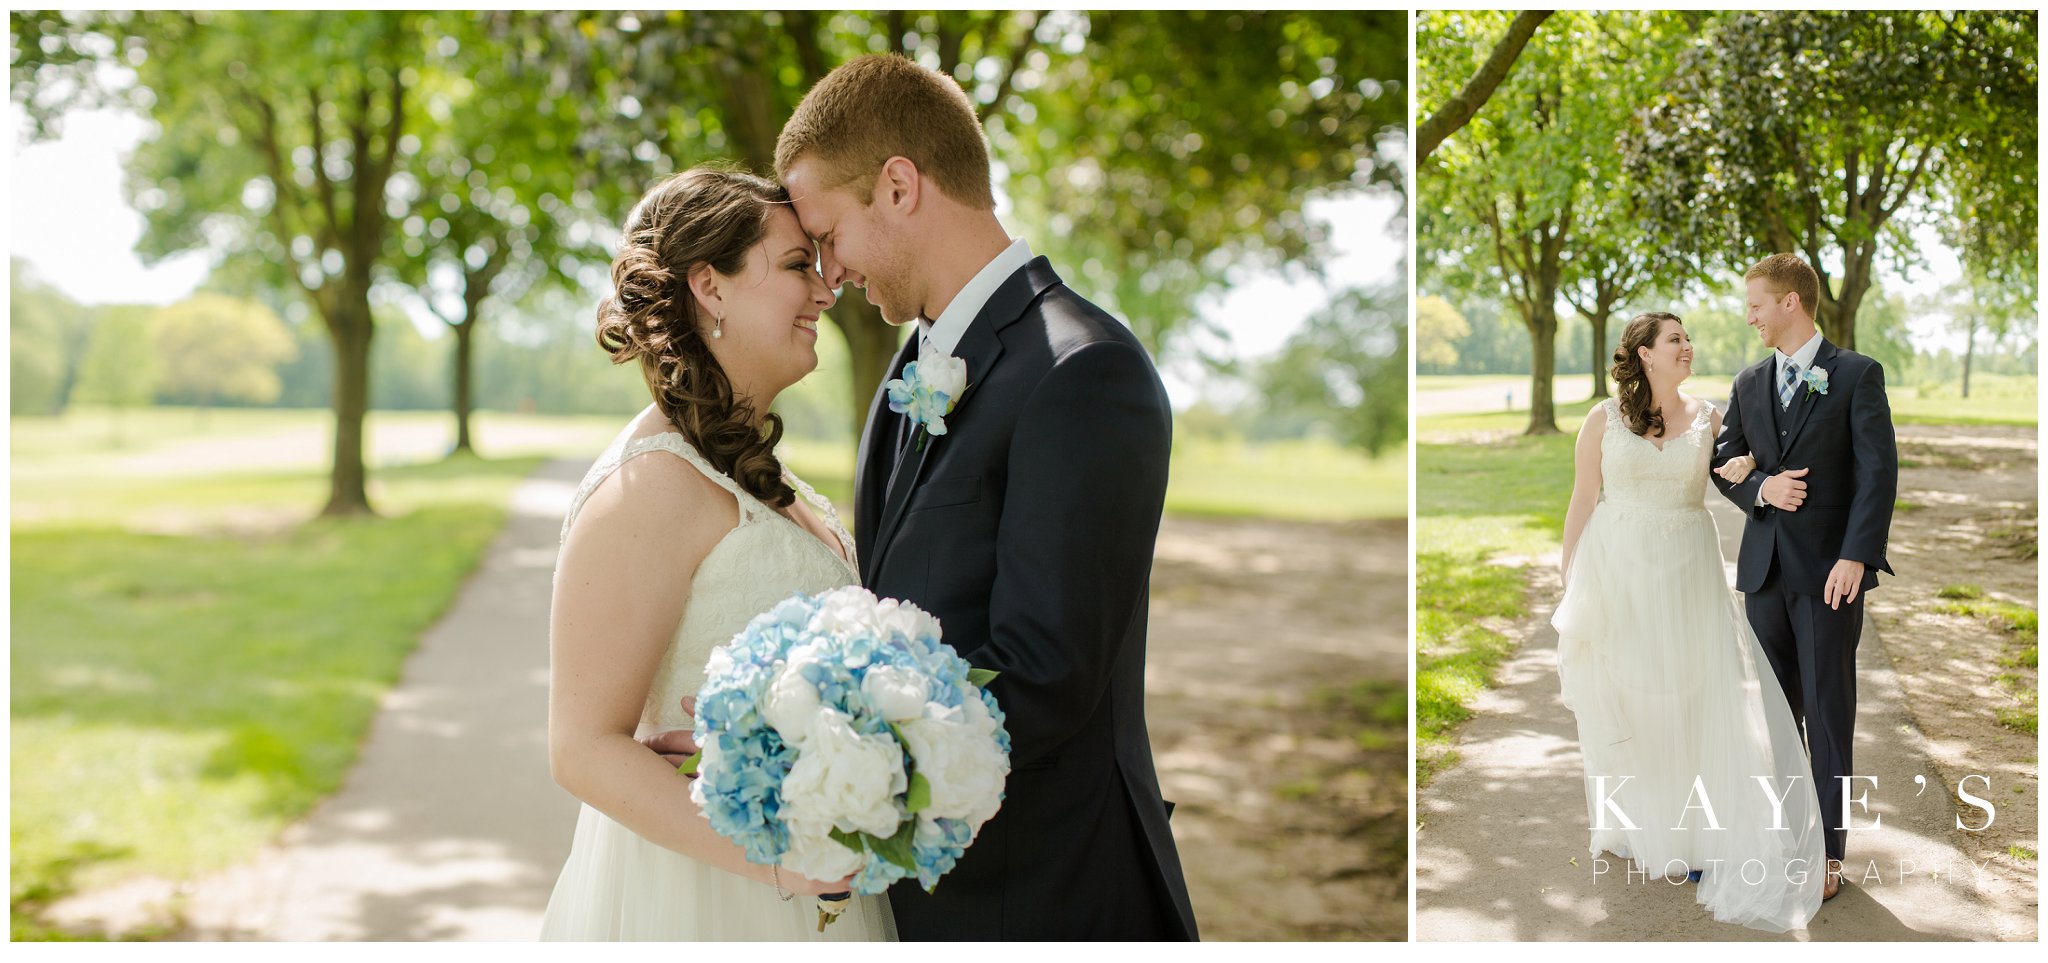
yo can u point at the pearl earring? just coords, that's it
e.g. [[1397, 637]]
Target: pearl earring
[[717, 327]]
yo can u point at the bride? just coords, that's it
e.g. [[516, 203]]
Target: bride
[[1694, 767], [684, 529]]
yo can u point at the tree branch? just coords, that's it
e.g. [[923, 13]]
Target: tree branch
[[1461, 108]]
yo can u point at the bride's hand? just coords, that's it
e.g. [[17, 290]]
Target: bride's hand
[[675, 745], [1736, 469], [801, 885]]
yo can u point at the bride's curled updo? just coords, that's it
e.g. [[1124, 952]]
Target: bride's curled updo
[[700, 216], [1631, 384]]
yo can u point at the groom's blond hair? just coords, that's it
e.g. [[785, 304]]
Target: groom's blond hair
[[872, 108], [1787, 272]]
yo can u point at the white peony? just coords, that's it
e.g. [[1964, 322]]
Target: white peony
[[911, 621], [964, 766], [818, 856], [897, 694], [942, 373], [845, 778], [843, 612], [791, 705]]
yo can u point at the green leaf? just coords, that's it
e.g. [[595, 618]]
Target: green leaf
[[853, 841], [982, 677], [920, 796], [895, 849], [689, 766]]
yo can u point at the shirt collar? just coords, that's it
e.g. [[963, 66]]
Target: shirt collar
[[1804, 356], [944, 334]]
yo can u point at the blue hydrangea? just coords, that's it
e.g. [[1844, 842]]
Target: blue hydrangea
[[740, 781]]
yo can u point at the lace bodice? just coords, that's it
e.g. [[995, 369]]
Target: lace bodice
[[1635, 473], [763, 560]]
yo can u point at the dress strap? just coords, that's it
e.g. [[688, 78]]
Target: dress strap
[[674, 443]]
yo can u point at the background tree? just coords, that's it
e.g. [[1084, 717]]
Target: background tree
[[1832, 134], [494, 177], [1348, 368], [214, 348], [46, 331], [1524, 201], [277, 138], [1439, 330], [122, 364]]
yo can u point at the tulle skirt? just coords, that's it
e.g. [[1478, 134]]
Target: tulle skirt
[[1680, 716], [618, 886]]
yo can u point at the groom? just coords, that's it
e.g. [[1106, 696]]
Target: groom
[[1026, 526], [1814, 417]]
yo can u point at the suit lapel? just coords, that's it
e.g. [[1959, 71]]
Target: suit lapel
[[1763, 403], [980, 347], [875, 460], [1806, 398]]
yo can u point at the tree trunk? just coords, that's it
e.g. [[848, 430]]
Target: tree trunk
[[464, 351], [349, 330], [1542, 369], [1598, 319], [872, 343], [1969, 348]]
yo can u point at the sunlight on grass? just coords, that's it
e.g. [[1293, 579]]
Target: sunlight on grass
[[195, 660]]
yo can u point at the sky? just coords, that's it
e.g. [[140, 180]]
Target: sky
[[70, 222]]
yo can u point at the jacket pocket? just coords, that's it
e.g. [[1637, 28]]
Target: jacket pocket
[[943, 492]]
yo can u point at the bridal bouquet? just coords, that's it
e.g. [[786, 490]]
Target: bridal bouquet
[[839, 736]]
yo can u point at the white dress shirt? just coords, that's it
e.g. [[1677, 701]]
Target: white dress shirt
[[944, 334], [1804, 359]]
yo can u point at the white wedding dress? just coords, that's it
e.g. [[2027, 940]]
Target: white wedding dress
[[1669, 683], [617, 885]]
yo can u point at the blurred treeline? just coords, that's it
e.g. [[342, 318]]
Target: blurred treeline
[[361, 175]]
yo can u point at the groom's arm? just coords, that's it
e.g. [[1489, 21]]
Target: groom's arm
[[1087, 480], [1732, 443], [1874, 450]]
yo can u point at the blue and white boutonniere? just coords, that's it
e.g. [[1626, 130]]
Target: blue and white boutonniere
[[927, 392], [1816, 381]]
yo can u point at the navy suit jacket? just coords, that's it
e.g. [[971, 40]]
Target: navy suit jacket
[[1027, 530], [1845, 438]]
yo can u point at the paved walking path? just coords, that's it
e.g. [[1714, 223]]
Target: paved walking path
[[1501, 852], [449, 826]]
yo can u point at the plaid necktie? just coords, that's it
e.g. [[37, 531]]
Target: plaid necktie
[[1789, 385]]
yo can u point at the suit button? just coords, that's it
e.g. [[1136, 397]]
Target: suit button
[[1781, 432]]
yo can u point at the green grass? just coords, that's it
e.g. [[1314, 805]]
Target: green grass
[[1476, 503], [1994, 400], [1306, 480], [2017, 851], [194, 660], [2021, 652]]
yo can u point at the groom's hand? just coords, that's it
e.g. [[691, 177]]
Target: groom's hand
[[676, 745], [1784, 490], [1844, 581]]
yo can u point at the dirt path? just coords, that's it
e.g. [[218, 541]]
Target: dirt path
[[449, 828], [1967, 519], [1501, 843], [1291, 817]]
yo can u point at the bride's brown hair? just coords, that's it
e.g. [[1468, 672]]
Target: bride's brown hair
[[700, 216], [1631, 384]]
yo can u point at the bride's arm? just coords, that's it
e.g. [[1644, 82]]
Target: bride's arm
[[1585, 480], [620, 587]]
